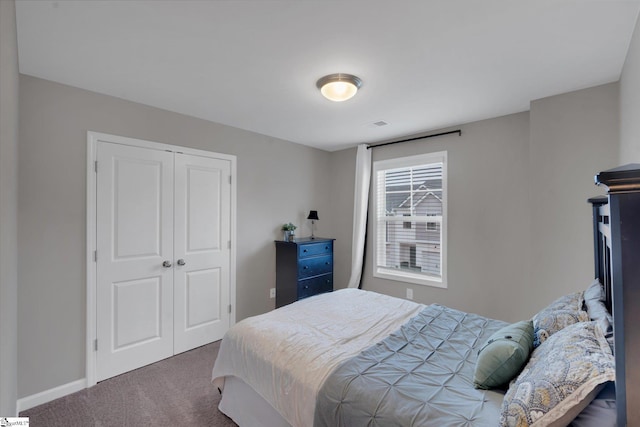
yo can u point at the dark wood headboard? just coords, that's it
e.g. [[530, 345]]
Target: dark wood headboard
[[602, 246], [617, 265]]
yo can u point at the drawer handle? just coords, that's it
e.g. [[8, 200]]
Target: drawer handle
[[306, 286], [326, 248], [328, 281], [327, 263], [306, 267], [305, 251]]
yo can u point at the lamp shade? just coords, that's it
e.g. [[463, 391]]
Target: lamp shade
[[339, 87], [313, 215]]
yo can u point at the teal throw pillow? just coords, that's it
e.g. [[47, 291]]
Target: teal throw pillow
[[503, 356]]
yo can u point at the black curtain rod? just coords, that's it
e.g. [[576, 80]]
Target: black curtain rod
[[459, 132]]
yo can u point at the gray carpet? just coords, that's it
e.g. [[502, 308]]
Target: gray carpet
[[173, 392]]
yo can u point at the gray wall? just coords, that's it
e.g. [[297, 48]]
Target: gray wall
[[341, 185], [278, 182], [630, 102], [488, 218], [8, 208], [519, 225], [573, 137]]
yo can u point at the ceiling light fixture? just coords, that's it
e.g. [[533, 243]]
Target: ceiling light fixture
[[339, 87]]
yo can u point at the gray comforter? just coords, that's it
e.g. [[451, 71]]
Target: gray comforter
[[421, 375]]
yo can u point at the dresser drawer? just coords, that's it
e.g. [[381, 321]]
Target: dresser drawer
[[313, 249], [315, 266], [316, 285]]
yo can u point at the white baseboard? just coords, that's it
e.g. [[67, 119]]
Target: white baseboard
[[34, 400]]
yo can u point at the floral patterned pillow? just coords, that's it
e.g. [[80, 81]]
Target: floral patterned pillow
[[572, 301], [547, 323], [561, 313], [561, 378]]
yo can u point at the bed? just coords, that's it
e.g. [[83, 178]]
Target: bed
[[353, 357]]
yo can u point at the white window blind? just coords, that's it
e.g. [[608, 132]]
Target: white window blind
[[410, 204]]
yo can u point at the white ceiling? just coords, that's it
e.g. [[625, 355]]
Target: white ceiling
[[425, 64]]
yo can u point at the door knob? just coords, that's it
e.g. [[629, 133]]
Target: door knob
[[166, 264], [181, 262]]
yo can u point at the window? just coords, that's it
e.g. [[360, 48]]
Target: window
[[410, 204]]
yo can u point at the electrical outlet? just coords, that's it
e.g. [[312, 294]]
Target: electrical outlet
[[409, 293], [272, 293]]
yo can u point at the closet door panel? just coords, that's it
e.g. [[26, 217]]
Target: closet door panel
[[202, 297], [202, 208], [202, 250], [134, 227]]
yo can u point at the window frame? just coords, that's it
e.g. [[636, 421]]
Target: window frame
[[379, 225]]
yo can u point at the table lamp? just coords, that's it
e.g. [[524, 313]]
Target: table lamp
[[313, 216]]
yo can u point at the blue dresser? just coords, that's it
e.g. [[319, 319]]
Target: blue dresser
[[303, 268]]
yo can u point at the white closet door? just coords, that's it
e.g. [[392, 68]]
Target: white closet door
[[134, 294], [202, 250]]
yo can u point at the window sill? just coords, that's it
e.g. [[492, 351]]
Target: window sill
[[408, 277]]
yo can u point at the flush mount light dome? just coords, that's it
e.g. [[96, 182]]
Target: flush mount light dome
[[339, 87]]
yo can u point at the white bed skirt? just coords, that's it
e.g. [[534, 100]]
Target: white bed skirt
[[246, 407]]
